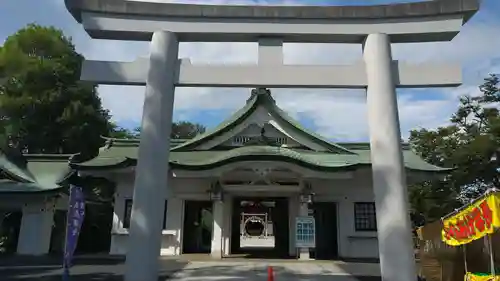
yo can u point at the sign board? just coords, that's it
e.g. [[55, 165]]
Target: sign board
[[305, 232]]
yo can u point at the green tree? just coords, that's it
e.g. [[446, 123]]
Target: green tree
[[118, 132], [181, 130], [45, 108], [466, 145]]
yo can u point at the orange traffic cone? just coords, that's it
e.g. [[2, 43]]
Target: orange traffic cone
[[270, 273]]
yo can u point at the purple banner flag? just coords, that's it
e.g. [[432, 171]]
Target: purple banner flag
[[76, 214]]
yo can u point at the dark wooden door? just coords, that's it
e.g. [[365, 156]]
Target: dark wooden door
[[235, 226], [325, 215], [198, 221], [281, 227], [57, 237]]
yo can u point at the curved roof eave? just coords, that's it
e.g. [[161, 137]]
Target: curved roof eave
[[14, 187], [244, 158], [347, 167], [225, 126], [228, 159], [13, 170], [119, 164]]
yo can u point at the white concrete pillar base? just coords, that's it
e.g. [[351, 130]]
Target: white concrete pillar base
[[36, 229], [226, 229], [174, 222], [216, 254], [304, 254], [218, 216]]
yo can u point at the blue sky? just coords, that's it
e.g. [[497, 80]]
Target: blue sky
[[336, 114]]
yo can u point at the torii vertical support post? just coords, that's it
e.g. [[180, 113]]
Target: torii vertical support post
[[397, 261], [151, 177]]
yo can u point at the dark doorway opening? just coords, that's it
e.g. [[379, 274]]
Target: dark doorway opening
[[198, 220], [57, 237], [95, 235], [260, 227], [325, 215], [10, 226]]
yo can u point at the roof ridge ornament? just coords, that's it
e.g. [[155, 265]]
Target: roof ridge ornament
[[109, 143], [261, 139], [260, 92]]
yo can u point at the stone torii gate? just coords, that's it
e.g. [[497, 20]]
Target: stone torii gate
[[375, 27]]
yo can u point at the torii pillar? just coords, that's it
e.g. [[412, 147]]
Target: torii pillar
[[396, 249], [376, 27], [152, 170]]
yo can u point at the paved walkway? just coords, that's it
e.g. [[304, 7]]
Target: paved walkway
[[109, 269], [289, 271]]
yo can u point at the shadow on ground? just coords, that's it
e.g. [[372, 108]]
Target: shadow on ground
[[88, 269]]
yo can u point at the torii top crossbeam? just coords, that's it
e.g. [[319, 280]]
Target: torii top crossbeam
[[271, 26], [438, 20]]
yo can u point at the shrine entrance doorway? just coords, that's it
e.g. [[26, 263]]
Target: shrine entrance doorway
[[260, 227], [198, 219]]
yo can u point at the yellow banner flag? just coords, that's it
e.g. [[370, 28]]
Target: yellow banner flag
[[473, 222], [483, 277]]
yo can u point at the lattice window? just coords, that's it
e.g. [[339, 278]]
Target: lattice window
[[365, 216], [128, 213], [282, 140], [240, 140]]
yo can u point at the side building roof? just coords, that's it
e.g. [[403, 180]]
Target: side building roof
[[33, 173]]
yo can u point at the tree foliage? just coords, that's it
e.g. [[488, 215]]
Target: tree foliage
[[45, 108], [467, 145], [180, 130], [121, 133]]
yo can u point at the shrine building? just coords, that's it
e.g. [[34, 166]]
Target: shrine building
[[248, 179]]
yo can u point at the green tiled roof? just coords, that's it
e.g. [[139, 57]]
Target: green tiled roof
[[121, 154], [261, 97], [32, 173], [185, 154], [49, 169], [9, 186], [13, 165]]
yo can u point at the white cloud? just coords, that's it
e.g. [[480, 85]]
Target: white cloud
[[338, 114]]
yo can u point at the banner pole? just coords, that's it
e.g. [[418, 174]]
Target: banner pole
[[492, 257], [65, 274], [74, 221], [464, 247]]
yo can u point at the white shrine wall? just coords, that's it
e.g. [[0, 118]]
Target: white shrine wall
[[183, 189], [37, 220], [344, 192]]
